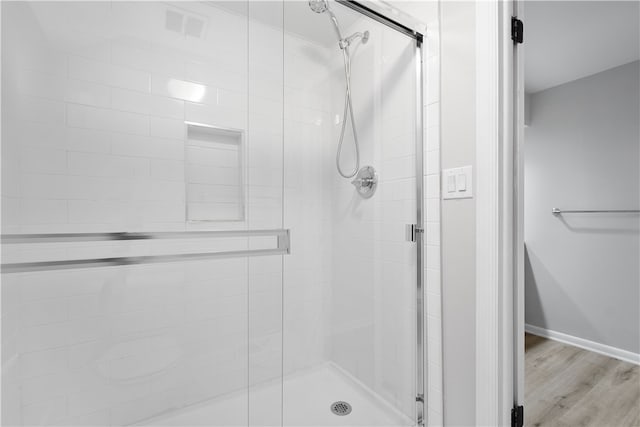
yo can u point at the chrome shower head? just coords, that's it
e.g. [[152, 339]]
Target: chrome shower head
[[322, 6], [364, 38], [319, 6]]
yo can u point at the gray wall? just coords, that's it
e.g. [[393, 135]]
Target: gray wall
[[457, 26], [582, 152]]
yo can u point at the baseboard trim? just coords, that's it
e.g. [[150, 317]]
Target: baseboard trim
[[607, 350]]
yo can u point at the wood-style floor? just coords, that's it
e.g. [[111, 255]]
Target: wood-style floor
[[567, 386]]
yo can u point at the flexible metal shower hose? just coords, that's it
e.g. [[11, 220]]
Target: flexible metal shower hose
[[348, 107]]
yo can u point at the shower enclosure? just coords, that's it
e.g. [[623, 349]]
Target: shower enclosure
[[211, 214]]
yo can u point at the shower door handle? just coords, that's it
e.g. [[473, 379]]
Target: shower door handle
[[411, 232]]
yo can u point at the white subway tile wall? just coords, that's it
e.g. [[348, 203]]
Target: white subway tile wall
[[94, 140]]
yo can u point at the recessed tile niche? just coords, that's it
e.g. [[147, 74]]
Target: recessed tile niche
[[214, 174]]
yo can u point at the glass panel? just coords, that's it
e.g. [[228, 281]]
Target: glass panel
[[103, 105], [265, 201], [350, 283]]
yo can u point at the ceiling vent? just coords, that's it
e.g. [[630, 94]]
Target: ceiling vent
[[186, 23], [174, 21], [194, 27]]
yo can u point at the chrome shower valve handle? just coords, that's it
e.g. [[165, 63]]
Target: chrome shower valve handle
[[366, 181]]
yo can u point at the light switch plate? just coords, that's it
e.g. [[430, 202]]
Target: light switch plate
[[457, 183]]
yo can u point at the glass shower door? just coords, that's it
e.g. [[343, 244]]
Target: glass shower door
[[350, 283], [154, 157], [142, 214]]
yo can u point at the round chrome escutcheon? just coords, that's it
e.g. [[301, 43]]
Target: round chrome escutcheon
[[366, 181]]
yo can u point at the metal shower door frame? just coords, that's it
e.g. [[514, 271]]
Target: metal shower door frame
[[421, 372]]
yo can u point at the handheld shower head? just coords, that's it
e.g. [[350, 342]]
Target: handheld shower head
[[322, 6], [318, 6]]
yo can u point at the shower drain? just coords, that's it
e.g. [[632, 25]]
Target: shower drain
[[341, 408]]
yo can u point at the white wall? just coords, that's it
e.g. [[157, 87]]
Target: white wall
[[582, 151], [457, 26]]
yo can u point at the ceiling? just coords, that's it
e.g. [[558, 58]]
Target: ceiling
[[568, 40]]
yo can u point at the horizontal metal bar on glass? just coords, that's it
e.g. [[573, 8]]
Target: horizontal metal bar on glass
[[380, 11], [144, 235], [282, 247], [558, 211]]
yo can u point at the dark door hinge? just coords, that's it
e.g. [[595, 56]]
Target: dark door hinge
[[517, 30], [517, 416]]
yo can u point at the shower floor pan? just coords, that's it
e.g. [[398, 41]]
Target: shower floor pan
[[307, 399]]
